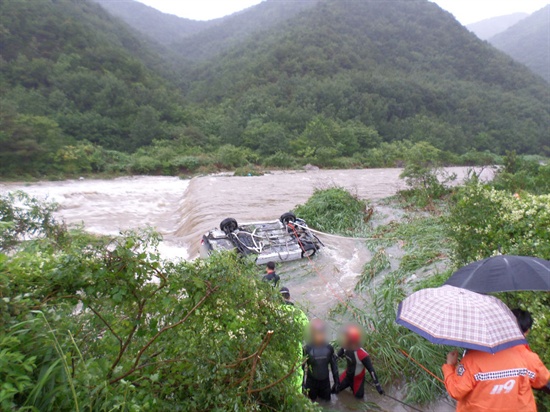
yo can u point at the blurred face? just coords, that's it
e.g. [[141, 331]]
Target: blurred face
[[351, 337], [318, 333]]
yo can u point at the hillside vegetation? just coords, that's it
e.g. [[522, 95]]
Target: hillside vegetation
[[223, 34], [528, 42], [346, 75], [69, 73]]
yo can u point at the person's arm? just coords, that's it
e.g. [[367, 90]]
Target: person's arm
[[305, 355], [333, 365], [340, 353], [365, 360], [459, 381], [541, 374], [545, 389]]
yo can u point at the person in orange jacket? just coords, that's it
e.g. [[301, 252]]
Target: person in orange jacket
[[499, 382]]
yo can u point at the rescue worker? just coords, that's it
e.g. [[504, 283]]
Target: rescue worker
[[285, 293], [271, 275], [358, 361], [500, 382], [525, 322], [321, 361], [302, 320]]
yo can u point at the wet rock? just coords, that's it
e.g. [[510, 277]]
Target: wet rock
[[311, 168]]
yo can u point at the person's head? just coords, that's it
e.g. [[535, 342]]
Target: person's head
[[285, 293], [318, 332], [525, 320], [270, 267], [352, 337]]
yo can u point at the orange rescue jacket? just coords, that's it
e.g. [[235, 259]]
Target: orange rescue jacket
[[502, 382]]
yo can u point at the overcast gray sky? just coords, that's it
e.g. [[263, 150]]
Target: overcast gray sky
[[466, 11]]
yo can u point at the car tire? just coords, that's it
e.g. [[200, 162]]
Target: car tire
[[229, 225], [308, 250], [287, 218]]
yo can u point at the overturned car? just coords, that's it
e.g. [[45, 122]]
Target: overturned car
[[282, 240]]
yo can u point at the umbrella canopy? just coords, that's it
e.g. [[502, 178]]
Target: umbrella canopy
[[503, 274], [457, 317]]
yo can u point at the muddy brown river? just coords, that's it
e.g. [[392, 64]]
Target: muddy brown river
[[183, 210]]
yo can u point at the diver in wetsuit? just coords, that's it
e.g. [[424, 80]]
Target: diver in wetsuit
[[320, 361], [358, 361]]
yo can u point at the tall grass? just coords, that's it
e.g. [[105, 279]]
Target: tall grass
[[335, 210], [417, 240]]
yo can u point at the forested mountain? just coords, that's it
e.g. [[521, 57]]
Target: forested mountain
[[161, 27], [70, 72], [528, 42], [485, 29], [233, 30], [334, 78], [281, 83]]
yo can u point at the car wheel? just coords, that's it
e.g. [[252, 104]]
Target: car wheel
[[229, 225], [308, 250], [287, 218]]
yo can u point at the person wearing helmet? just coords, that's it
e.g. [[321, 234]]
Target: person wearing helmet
[[285, 293], [321, 361], [358, 360]]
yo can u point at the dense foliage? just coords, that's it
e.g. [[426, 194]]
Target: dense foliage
[[102, 324], [527, 42], [334, 210]]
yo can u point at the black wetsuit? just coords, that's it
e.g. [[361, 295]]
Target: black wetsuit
[[272, 277], [354, 376], [320, 359]]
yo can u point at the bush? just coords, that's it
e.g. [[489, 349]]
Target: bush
[[102, 324], [334, 210], [186, 163], [424, 174], [522, 174], [145, 165], [280, 160], [230, 157]]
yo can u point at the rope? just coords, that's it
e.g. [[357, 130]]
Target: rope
[[342, 301], [342, 237], [397, 400], [422, 366]]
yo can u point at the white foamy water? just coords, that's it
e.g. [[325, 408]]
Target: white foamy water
[[108, 207]]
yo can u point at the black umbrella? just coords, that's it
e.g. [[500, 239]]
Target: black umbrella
[[503, 274]]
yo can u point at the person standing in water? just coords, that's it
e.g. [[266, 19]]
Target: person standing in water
[[321, 362], [271, 275], [358, 362]]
